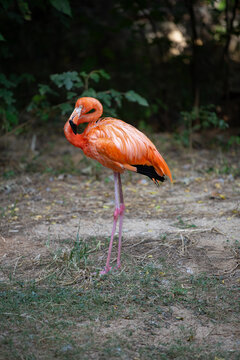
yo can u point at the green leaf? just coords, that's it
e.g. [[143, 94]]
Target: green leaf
[[62, 6], [79, 84], [24, 8], [117, 96], [68, 83], [234, 140], [67, 79], [7, 96], [94, 76], [65, 108], [90, 92], [2, 37], [134, 97], [37, 99], [104, 74], [45, 89], [222, 124], [221, 5], [83, 74], [12, 118], [105, 98], [110, 112], [28, 77], [5, 82], [71, 94]]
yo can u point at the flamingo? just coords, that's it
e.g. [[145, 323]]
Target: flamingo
[[118, 146]]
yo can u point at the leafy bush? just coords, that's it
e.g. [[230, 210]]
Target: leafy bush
[[234, 140], [198, 119], [59, 96], [73, 85], [8, 109]]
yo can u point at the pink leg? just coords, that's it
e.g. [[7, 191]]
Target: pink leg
[[116, 214], [121, 212]]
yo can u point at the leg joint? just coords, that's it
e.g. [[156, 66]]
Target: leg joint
[[119, 211], [122, 209], [116, 213]]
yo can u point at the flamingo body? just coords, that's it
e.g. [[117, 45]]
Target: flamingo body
[[116, 145]]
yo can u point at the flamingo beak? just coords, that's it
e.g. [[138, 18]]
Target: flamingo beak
[[77, 112], [73, 126]]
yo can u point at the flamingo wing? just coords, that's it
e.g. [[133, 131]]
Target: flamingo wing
[[121, 145]]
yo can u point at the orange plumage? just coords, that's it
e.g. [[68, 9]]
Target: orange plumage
[[112, 142], [116, 145]]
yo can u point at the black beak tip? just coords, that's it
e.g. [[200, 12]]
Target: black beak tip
[[73, 126]]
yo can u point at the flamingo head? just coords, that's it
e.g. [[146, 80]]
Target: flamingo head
[[74, 118], [86, 109]]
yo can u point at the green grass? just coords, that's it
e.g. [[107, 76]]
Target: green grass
[[182, 224], [45, 320]]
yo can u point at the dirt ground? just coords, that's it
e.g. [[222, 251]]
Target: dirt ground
[[51, 194]]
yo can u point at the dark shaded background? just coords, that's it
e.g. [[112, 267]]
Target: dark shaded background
[[176, 54]]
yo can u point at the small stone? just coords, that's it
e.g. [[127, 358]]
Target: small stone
[[66, 348], [189, 270], [61, 177], [230, 177]]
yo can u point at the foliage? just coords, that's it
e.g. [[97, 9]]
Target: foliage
[[62, 6], [68, 86], [198, 119], [8, 108], [234, 140], [175, 56], [71, 85]]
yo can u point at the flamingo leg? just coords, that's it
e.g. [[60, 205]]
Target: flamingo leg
[[115, 218], [121, 213]]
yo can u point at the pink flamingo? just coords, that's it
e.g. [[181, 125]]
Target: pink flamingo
[[118, 146]]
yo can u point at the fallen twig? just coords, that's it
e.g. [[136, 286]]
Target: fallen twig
[[3, 238]]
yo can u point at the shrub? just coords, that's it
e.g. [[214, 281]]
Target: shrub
[[71, 85]]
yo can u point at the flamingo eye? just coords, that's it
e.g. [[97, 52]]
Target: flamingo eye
[[91, 111]]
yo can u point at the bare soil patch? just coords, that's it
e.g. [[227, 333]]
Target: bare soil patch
[[177, 294]]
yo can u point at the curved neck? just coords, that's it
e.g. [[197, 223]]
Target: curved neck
[[83, 105], [76, 140]]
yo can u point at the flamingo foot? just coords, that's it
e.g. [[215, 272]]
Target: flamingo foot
[[105, 270]]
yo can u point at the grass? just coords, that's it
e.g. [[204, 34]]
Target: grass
[[76, 314], [54, 304], [182, 224]]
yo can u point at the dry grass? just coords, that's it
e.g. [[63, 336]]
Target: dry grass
[[177, 294]]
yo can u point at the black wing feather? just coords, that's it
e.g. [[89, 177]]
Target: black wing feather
[[149, 171]]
